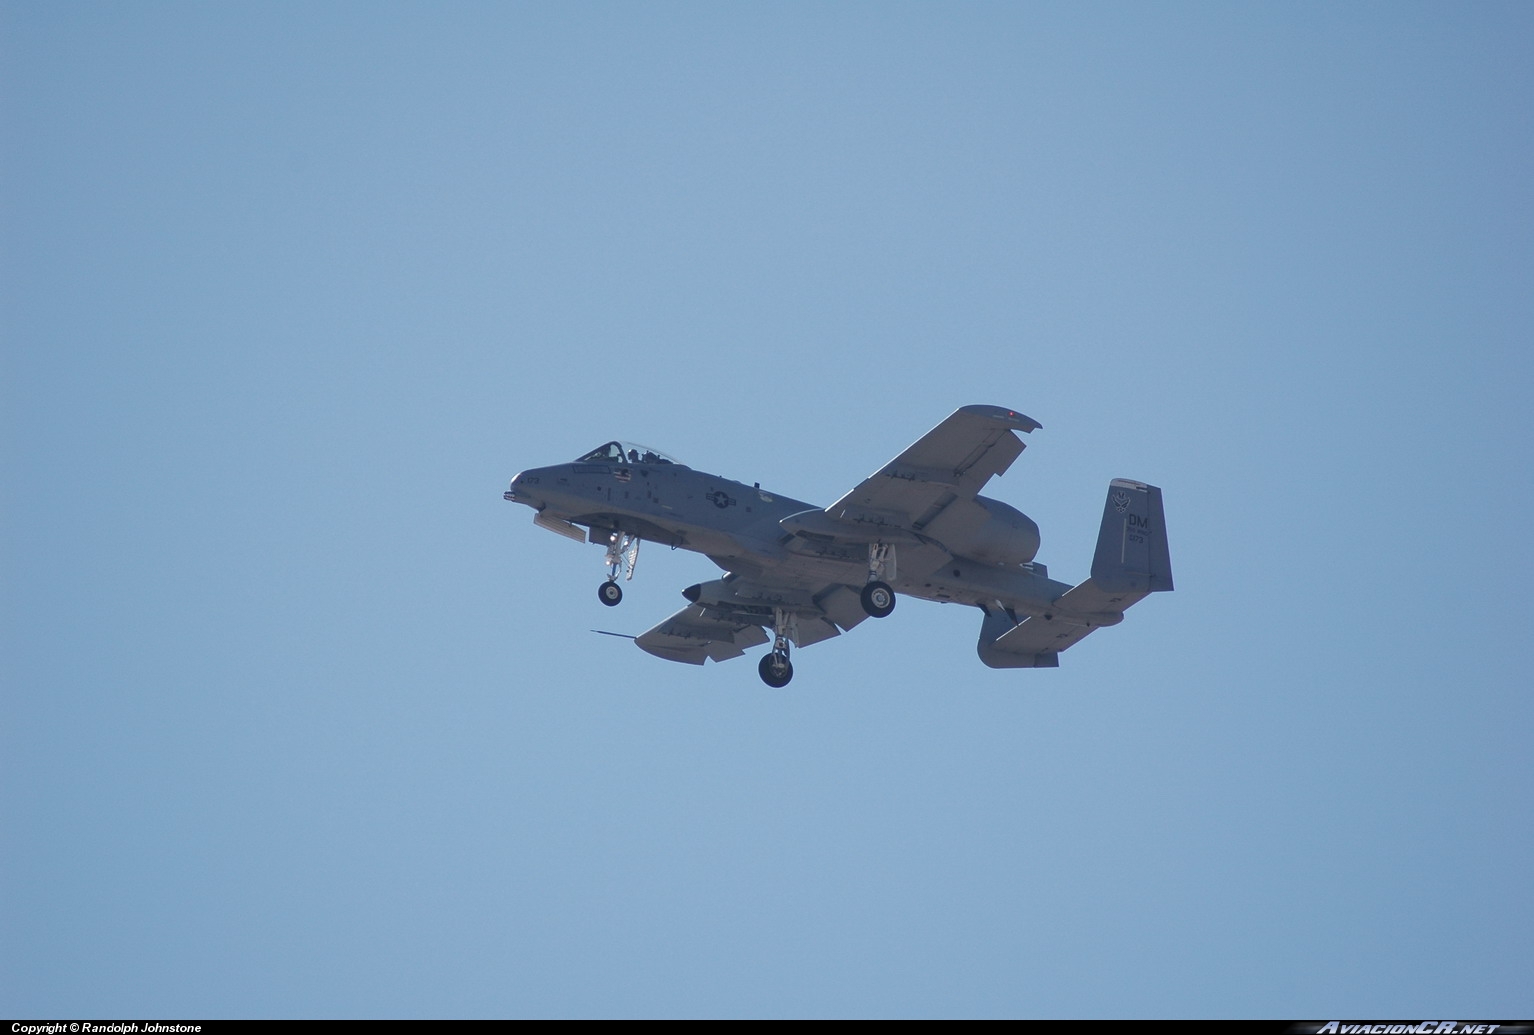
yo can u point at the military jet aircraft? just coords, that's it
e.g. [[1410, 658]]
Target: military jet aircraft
[[917, 525]]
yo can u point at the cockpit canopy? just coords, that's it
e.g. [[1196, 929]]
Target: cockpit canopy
[[625, 453]]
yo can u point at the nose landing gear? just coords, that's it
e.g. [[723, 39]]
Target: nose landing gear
[[622, 555]]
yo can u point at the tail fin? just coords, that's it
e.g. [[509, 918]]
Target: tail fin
[[1132, 560], [1132, 554]]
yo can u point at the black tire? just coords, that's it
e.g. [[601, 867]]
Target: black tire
[[610, 593], [878, 599], [775, 670]]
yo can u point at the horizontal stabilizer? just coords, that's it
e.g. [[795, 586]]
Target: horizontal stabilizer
[[1018, 653]]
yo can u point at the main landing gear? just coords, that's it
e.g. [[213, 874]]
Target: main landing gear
[[775, 668], [622, 555], [877, 597]]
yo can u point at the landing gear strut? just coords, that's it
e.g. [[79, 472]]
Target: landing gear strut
[[622, 555], [775, 668], [877, 597]]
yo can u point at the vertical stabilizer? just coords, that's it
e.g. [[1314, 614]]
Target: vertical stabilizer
[[1132, 554]]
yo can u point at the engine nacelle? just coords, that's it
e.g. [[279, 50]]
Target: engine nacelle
[[987, 530]]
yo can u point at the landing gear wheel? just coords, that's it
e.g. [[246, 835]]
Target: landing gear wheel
[[775, 670], [878, 599], [610, 593]]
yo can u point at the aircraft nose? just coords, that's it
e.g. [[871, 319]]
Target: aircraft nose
[[517, 492]]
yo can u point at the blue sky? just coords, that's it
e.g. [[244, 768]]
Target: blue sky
[[301, 719]]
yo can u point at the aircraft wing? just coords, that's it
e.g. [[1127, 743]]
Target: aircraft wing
[[731, 614], [952, 462], [695, 634]]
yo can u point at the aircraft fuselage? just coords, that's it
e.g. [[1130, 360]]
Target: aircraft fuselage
[[739, 527]]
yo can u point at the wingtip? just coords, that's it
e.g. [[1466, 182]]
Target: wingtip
[[1002, 415]]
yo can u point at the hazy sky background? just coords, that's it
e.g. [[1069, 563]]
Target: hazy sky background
[[301, 719]]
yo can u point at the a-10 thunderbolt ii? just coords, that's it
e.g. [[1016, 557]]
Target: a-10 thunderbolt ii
[[918, 525]]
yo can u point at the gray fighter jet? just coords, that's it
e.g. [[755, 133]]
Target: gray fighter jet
[[918, 525]]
